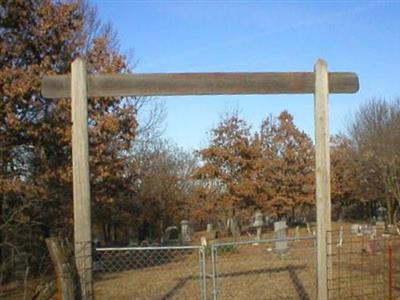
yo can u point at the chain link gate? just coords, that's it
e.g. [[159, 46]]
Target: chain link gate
[[172, 272], [264, 269]]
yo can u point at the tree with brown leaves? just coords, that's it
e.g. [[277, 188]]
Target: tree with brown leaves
[[229, 169], [38, 38], [288, 166]]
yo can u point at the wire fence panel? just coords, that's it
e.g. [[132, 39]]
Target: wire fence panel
[[265, 269], [363, 266], [150, 273]]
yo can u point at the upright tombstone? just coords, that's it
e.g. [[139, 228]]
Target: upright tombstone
[[211, 232], [280, 229], [209, 227], [268, 221], [171, 235], [185, 232], [355, 229], [381, 214], [380, 220], [258, 223], [297, 232], [369, 230], [233, 226]]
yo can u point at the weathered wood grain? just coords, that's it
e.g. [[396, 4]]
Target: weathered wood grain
[[58, 86], [64, 270], [81, 178], [322, 174]]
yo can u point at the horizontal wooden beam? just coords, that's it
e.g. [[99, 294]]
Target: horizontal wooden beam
[[169, 84]]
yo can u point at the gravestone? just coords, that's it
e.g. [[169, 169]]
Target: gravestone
[[185, 232], [355, 229], [297, 232], [369, 230], [381, 214], [280, 229], [233, 226], [211, 232], [171, 235], [380, 220], [268, 221], [209, 227], [258, 223]]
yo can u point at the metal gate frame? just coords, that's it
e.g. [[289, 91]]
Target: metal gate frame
[[214, 255]]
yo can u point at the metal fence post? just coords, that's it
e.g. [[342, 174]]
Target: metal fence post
[[203, 251], [203, 273], [390, 271], [214, 271]]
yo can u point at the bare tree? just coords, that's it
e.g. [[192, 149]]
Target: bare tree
[[375, 134]]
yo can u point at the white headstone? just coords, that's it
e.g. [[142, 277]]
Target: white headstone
[[355, 229], [185, 232], [280, 229], [258, 219], [297, 234]]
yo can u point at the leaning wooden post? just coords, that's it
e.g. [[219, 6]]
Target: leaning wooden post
[[322, 171], [81, 180], [65, 272]]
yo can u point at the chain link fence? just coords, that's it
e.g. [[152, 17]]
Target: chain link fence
[[265, 269], [262, 269], [175, 272], [360, 266], [363, 266]]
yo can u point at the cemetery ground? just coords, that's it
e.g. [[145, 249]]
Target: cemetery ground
[[361, 270]]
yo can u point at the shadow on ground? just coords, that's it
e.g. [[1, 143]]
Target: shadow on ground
[[292, 270]]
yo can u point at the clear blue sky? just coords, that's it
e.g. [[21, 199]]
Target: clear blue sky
[[194, 36]]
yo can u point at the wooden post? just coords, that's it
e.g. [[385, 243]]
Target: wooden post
[[322, 173], [170, 84], [319, 83], [65, 272], [81, 179]]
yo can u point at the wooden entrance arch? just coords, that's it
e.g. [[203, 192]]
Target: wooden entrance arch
[[79, 86]]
